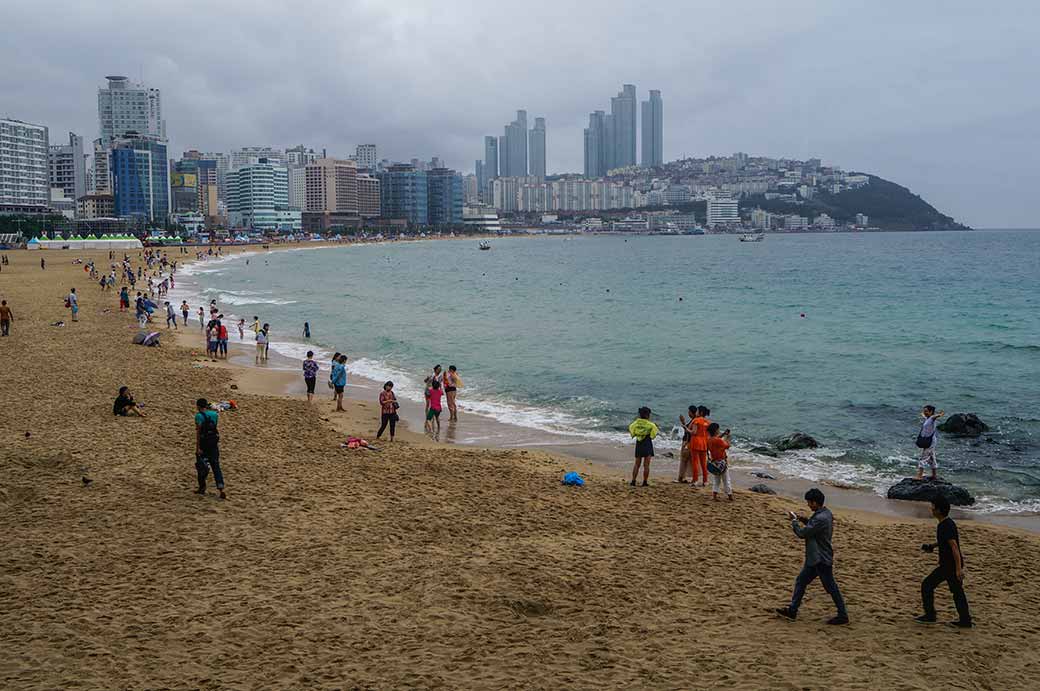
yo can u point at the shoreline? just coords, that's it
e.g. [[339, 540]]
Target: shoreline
[[611, 459], [424, 565]]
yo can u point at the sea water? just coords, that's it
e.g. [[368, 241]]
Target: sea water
[[842, 336]]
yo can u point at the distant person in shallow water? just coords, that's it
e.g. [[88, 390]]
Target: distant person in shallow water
[[927, 439], [306, 329], [644, 432], [452, 382]]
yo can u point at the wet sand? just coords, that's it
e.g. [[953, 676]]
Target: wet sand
[[425, 565]]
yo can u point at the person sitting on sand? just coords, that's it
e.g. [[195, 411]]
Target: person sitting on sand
[[927, 439], [433, 407], [125, 404], [207, 447], [644, 432], [819, 557], [339, 381], [719, 464], [950, 568], [387, 410]]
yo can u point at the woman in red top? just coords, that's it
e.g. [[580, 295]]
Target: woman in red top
[[698, 429], [717, 446], [388, 410]]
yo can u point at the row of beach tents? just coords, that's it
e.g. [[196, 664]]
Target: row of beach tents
[[91, 242]]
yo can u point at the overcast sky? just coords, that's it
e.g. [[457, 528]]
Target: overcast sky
[[939, 96]]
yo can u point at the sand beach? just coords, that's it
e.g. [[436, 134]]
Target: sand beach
[[424, 565]]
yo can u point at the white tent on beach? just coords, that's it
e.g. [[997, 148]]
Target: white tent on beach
[[91, 242]]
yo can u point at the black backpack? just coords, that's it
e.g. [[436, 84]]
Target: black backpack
[[210, 437]]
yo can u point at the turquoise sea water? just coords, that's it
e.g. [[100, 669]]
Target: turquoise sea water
[[571, 335]]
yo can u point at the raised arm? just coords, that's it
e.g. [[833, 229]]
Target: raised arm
[[814, 526]]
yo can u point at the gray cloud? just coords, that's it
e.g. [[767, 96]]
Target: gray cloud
[[937, 96]]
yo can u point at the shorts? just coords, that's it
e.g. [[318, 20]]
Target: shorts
[[431, 413], [339, 389], [261, 348], [310, 384], [449, 389], [927, 461], [644, 448]]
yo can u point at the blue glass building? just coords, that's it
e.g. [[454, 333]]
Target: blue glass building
[[403, 193], [446, 197], [140, 178]]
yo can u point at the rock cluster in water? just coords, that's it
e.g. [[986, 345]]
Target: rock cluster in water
[[964, 425], [795, 441]]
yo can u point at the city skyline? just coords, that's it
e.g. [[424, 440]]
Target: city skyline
[[792, 81]]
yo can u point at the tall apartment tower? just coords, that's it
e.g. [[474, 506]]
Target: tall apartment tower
[[125, 107], [24, 173], [623, 119], [536, 142], [653, 128], [596, 145], [68, 167], [366, 156], [515, 154], [490, 157]]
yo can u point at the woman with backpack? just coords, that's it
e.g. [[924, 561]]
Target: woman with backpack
[[207, 447]]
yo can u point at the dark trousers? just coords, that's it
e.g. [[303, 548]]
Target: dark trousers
[[932, 581], [387, 419], [826, 575], [209, 458], [5, 327]]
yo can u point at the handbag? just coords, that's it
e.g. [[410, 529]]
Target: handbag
[[924, 441], [717, 467]]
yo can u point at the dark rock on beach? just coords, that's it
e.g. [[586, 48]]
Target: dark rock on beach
[[763, 489], [764, 476], [765, 451], [964, 425], [912, 489], [792, 442]]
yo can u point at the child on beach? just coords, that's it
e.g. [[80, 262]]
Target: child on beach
[[433, 406], [310, 374], [719, 465], [927, 439], [241, 329], [644, 432], [698, 429]]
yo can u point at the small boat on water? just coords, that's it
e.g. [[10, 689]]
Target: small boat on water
[[484, 245], [752, 237]]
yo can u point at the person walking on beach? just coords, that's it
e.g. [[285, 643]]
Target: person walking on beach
[[718, 465], [698, 429], [184, 311], [124, 299], [222, 338], [644, 432], [387, 410], [267, 340], [202, 319], [241, 329], [171, 315], [452, 382], [927, 439], [950, 568], [685, 463], [433, 407], [6, 317], [339, 381], [207, 447], [72, 302], [310, 374], [817, 532], [43, 263]]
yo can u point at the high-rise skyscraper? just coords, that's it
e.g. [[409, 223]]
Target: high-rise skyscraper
[[491, 157], [403, 194], [536, 143], [623, 119], [124, 107], [445, 197], [24, 174], [68, 167], [258, 197], [140, 177], [300, 156], [503, 156], [596, 141], [653, 128], [514, 157], [331, 187]]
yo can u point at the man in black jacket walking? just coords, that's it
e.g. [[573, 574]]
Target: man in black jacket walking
[[950, 568], [819, 557]]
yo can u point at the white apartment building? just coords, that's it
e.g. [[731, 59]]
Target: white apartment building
[[258, 198], [126, 107], [24, 169], [365, 154]]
